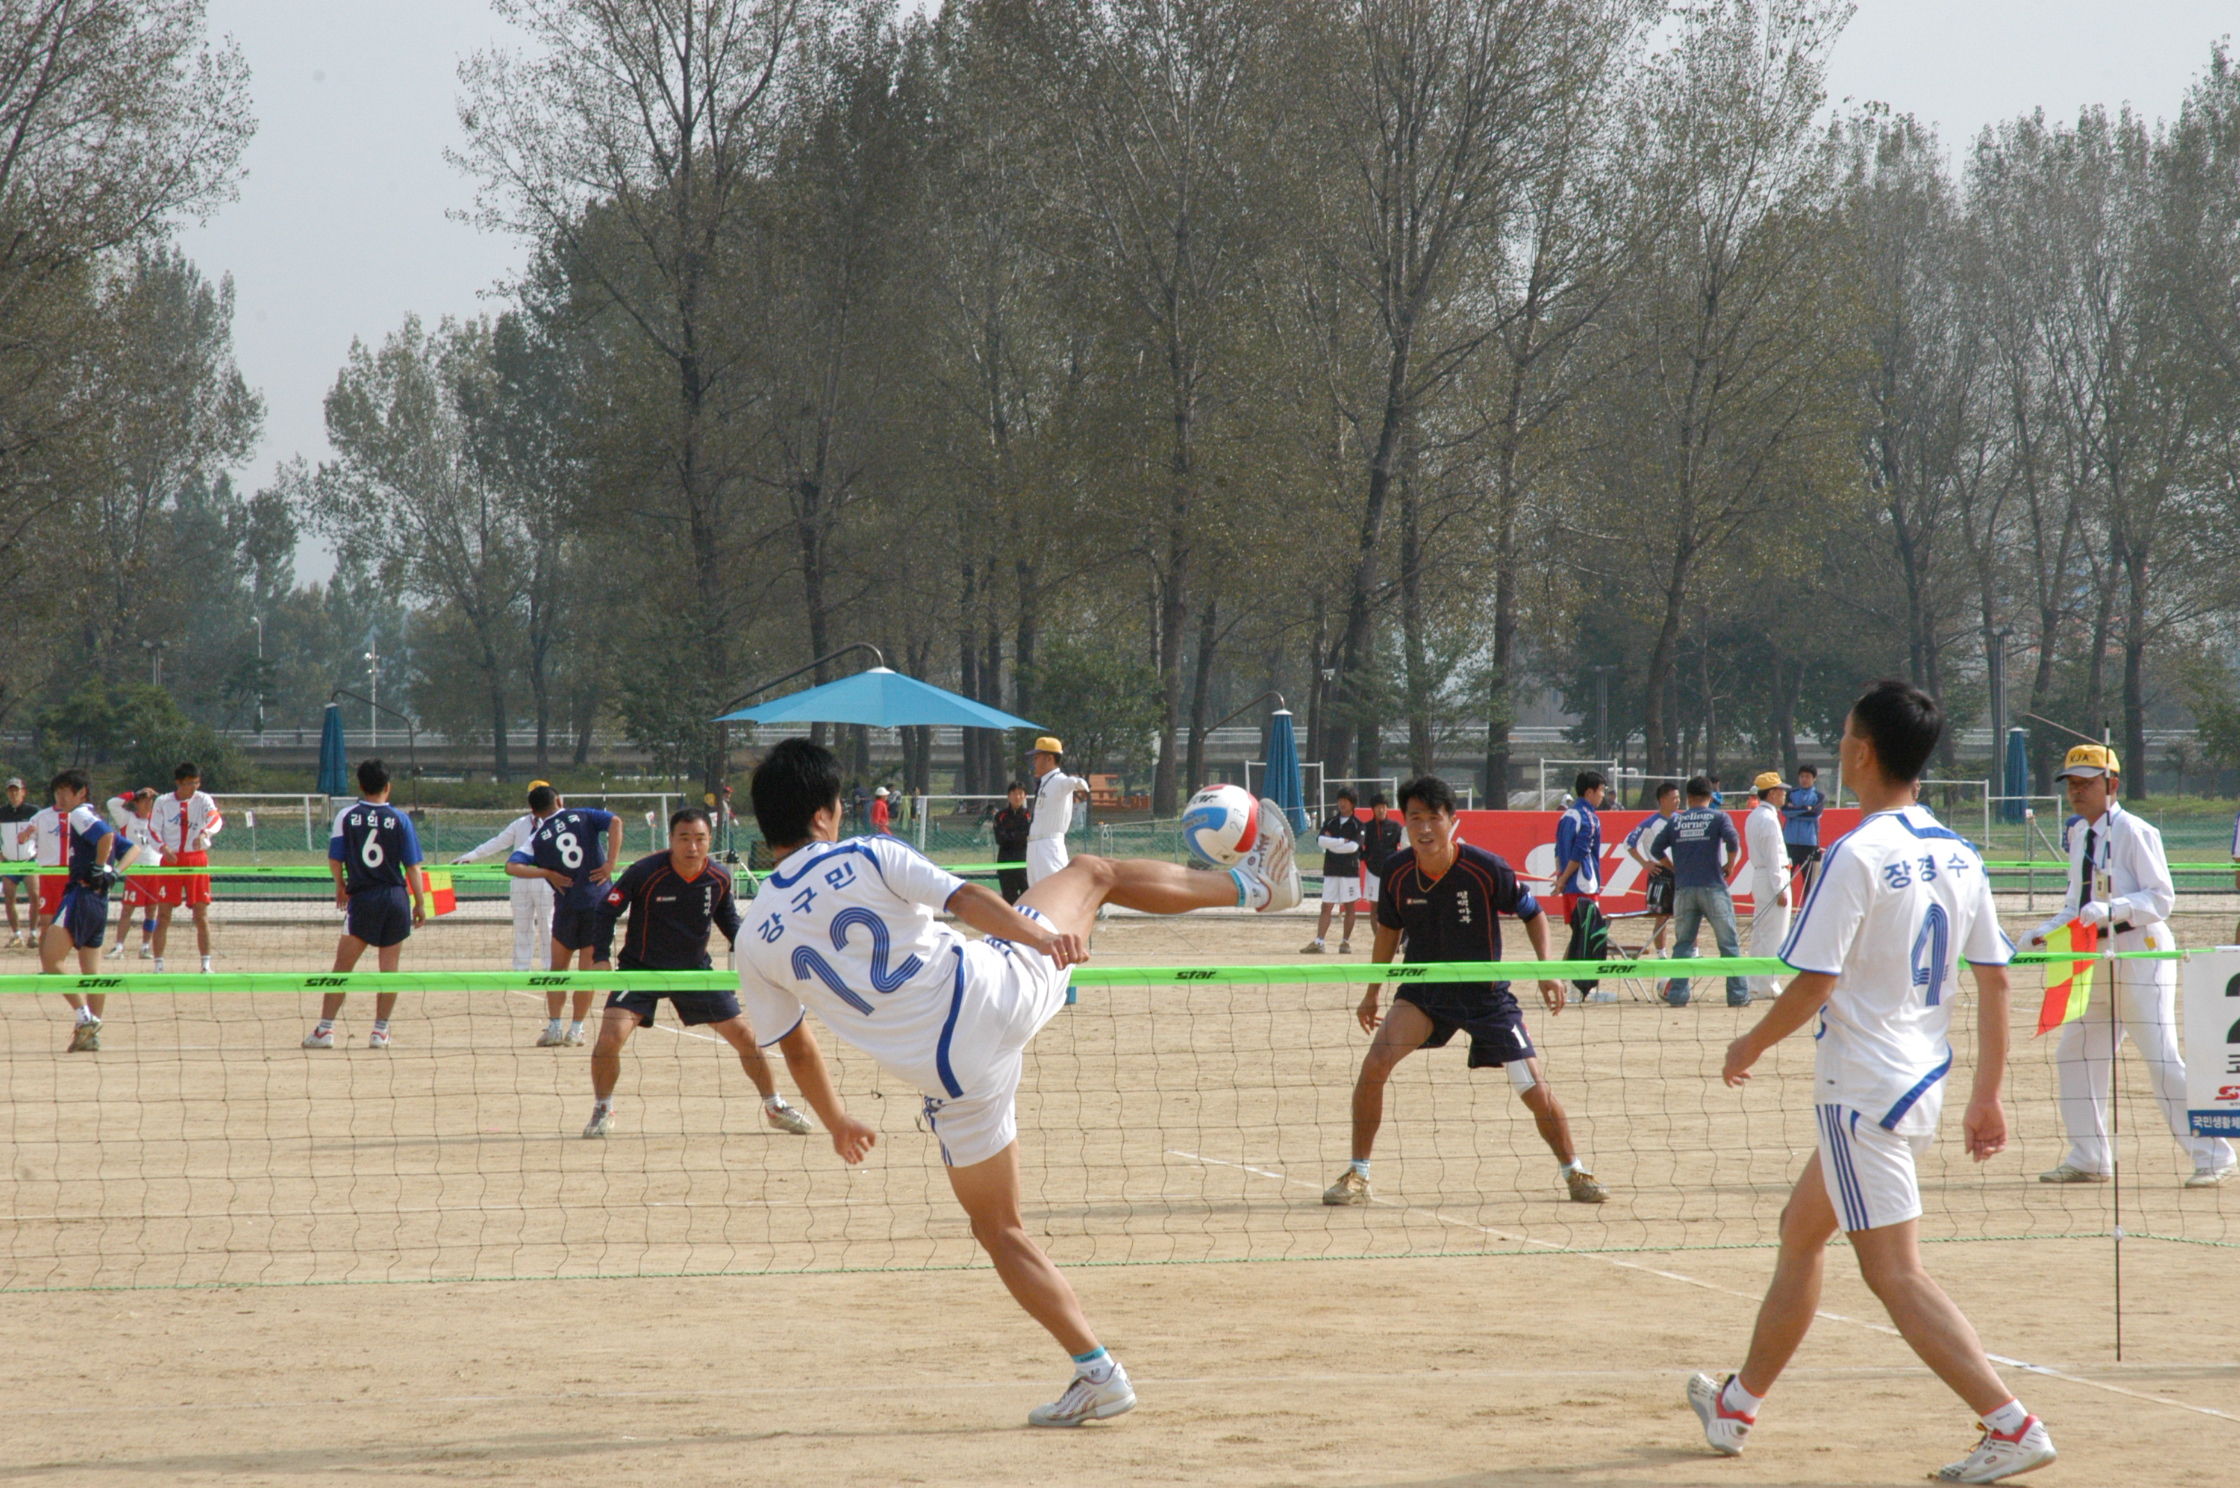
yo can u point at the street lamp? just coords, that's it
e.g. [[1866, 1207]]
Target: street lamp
[[373, 673], [258, 622]]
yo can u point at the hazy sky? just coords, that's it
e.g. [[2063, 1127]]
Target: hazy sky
[[340, 228]]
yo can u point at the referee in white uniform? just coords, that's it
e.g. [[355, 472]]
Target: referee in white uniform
[[1054, 794], [2119, 877], [1768, 856], [532, 897]]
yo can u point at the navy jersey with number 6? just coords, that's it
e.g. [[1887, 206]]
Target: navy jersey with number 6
[[1456, 916], [573, 842], [374, 842]]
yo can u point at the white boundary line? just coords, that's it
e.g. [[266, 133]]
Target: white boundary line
[[1835, 1317]]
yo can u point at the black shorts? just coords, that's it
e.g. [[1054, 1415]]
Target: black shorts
[[85, 914], [692, 1008], [380, 917], [1659, 893], [1801, 853], [575, 929], [1492, 1019]]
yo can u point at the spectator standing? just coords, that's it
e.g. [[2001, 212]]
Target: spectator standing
[[1657, 874], [1769, 877], [882, 815], [1011, 824], [1340, 841], [135, 824], [1706, 853], [16, 847], [1380, 839], [186, 818], [1579, 843], [1800, 827], [1054, 794]]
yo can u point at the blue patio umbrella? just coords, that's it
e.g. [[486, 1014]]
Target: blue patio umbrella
[[879, 698], [334, 766], [1282, 785]]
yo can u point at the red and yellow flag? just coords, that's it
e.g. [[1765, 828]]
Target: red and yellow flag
[[442, 898], [2066, 998]]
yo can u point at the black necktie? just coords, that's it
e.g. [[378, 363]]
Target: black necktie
[[2085, 869]]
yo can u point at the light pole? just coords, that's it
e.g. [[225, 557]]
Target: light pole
[[155, 650], [258, 622], [373, 674], [1602, 708]]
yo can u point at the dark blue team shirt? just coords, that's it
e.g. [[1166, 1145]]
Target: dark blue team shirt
[[85, 850], [1692, 841], [374, 842], [572, 841]]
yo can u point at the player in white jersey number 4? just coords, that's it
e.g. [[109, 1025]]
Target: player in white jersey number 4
[[851, 929], [1899, 902]]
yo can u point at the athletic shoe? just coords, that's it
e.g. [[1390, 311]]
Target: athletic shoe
[[378, 1040], [573, 1038], [787, 1119], [1584, 1190], [1274, 864], [551, 1038], [1084, 1401], [1727, 1431], [114, 951], [317, 1040], [1599, 998], [1311, 948], [86, 1038], [1351, 1188], [14, 941], [602, 1122], [2070, 1173], [147, 952], [1998, 1456], [2211, 1177], [1345, 947]]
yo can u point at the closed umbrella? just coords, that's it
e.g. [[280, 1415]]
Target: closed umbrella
[[334, 768], [1283, 785]]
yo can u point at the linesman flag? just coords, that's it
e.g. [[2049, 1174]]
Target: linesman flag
[[442, 898], [2066, 999]]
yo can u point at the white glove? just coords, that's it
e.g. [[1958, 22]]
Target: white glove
[[2094, 913], [2038, 936]]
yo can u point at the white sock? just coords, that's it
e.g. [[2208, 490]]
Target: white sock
[[206, 963], [1573, 1166], [85, 1015], [604, 1103], [773, 1103], [381, 1025], [2007, 1419], [1735, 1398], [159, 963], [552, 1025], [1359, 1165], [1097, 1366], [575, 1027], [1318, 940], [326, 1025]]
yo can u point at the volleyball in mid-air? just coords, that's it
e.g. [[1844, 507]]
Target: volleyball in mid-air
[[1221, 824]]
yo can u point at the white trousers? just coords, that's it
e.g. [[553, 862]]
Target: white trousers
[[532, 924], [1045, 856], [1768, 928], [2146, 1000]]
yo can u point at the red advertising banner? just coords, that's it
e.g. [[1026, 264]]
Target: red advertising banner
[[1528, 840]]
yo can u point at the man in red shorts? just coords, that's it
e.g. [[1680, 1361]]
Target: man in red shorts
[[185, 821]]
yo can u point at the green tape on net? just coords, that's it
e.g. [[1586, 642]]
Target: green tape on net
[[321, 871], [268, 982]]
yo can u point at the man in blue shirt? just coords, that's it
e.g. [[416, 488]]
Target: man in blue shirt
[[1800, 828], [375, 857], [1706, 853], [1579, 843], [573, 849]]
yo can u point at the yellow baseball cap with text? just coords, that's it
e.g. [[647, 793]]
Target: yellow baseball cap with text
[[2089, 762]]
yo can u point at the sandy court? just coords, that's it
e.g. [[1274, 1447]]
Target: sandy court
[[1447, 1334]]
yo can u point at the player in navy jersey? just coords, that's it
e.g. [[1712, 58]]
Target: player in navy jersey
[[1444, 898], [94, 853], [674, 899], [573, 849], [375, 857]]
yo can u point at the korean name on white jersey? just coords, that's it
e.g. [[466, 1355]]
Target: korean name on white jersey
[[1899, 903]]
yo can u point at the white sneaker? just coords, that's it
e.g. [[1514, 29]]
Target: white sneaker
[[602, 1122], [551, 1038], [114, 951], [2211, 1177], [2069, 1173], [378, 1040], [1727, 1431], [148, 953], [1997, 1456], [1600, 998], [1084, 1401], [1345, 947], [1273, 866], [786, 1119], [573, 1038], [317, 1040], [86, 1037]]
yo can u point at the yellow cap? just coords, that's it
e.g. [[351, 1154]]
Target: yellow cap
[[1770, 780], [2089, 762], [1048, 745], [545, 783]]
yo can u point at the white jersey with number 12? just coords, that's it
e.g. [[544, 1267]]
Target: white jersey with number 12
[[1900, 901]]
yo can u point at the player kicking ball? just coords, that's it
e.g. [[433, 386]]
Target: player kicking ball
[[1443, 899], [851, 929], [1896, 905]]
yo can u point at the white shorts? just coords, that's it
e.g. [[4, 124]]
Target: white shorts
[[1340, 890], [1045, 856], [1869, 1170], [1371, 886], [1011, 992]]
